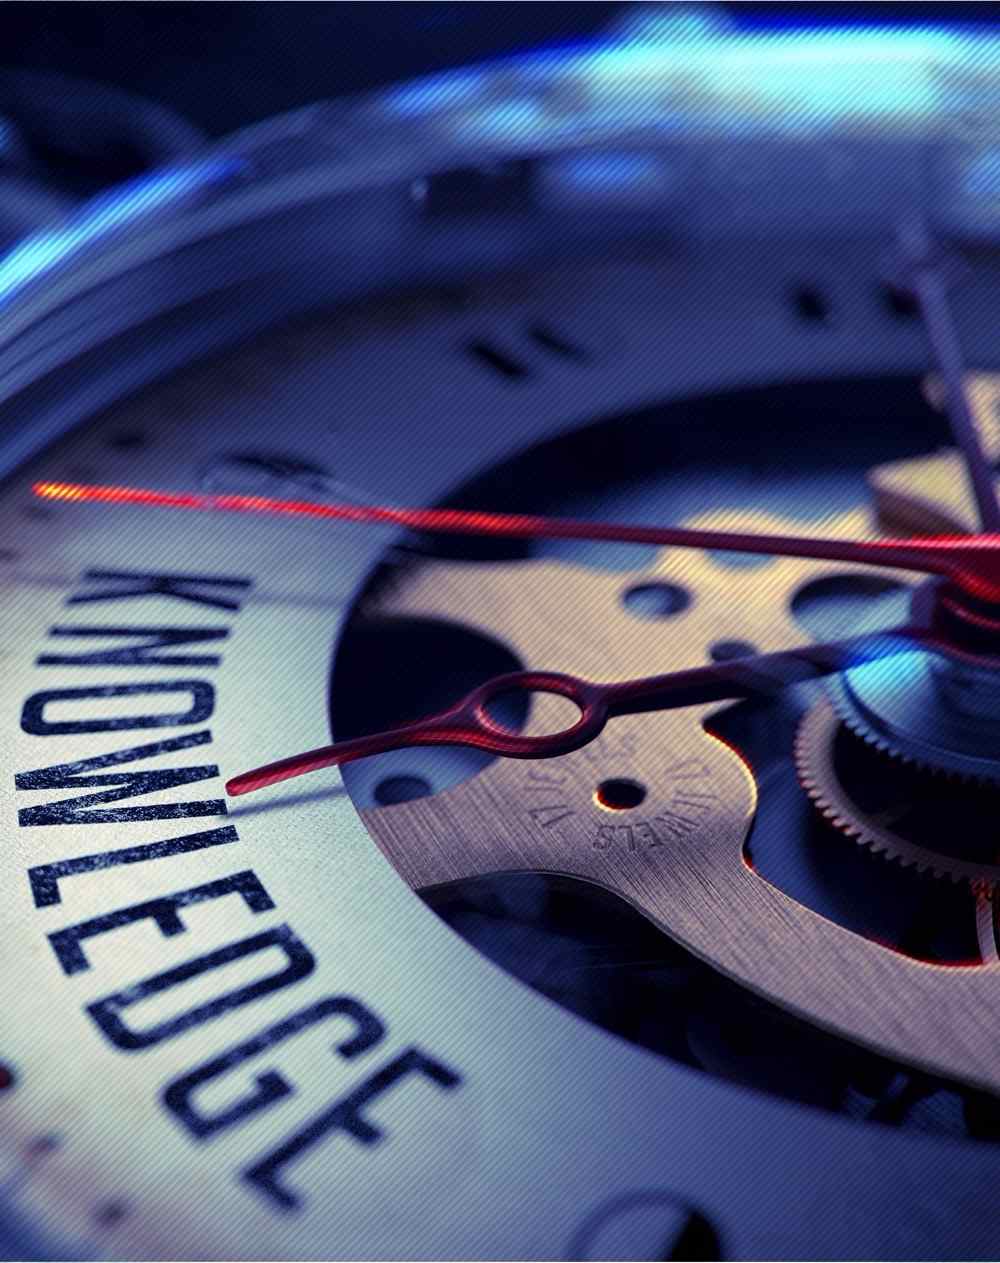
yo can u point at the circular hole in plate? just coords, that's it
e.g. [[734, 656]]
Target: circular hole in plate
[[656, 600], [400, 789], [110, 1213], [7, 1077], [619, 793], [840, 605], [727, 650]]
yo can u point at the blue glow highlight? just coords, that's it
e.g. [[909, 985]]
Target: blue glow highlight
[[792, 80], [511, 121], [440, 92], [104, 215], [695, 77], [608, 178], [763, 54], [594, 173], [898, 672]]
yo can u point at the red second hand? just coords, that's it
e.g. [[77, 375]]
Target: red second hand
[[972, 563]]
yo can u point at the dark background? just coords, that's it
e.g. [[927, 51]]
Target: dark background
[[226, 64]]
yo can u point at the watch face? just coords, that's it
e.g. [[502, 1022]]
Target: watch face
[[718, 982]]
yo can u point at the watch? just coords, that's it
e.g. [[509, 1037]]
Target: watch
[[720, 981]]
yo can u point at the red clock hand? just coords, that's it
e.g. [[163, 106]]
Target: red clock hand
[[469, 723], [970, 562]]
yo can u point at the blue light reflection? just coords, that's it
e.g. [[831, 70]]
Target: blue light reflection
[[785, 79], [105, 214]]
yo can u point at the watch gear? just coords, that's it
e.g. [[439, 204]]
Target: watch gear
[[943, 825], [941, 715]]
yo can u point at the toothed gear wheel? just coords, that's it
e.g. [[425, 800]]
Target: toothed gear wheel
[[933, 715], [944, 825]]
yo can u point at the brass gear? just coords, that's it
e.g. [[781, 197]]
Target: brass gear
[[896, 807]]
